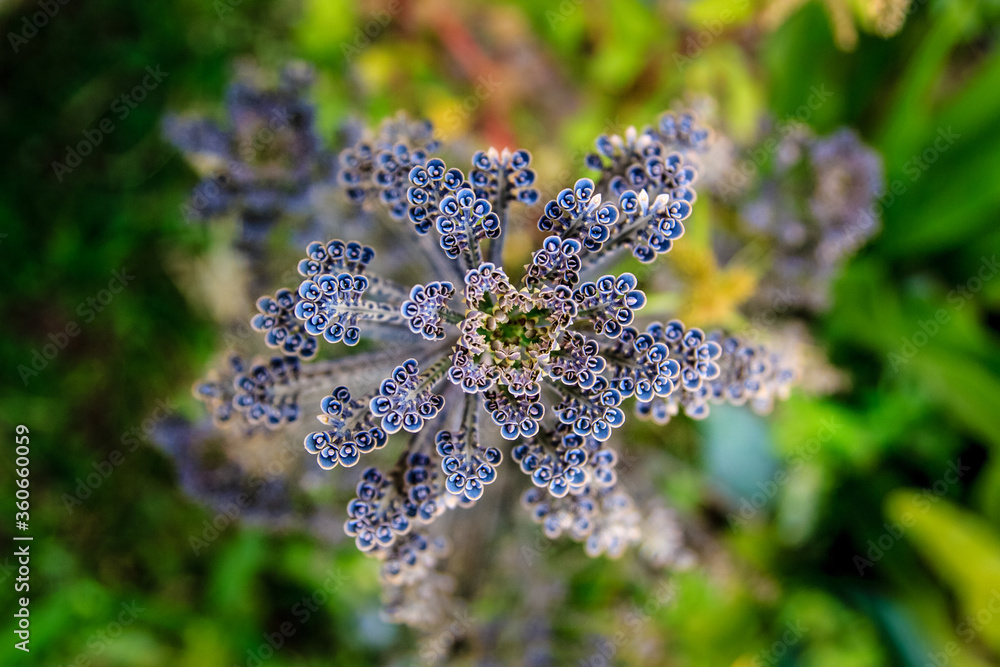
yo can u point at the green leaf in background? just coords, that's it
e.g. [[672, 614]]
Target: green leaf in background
[[964, 552]]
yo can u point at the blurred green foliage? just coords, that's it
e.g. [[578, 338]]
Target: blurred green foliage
[[918, 402]]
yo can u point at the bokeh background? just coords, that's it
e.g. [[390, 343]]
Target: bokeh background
[[790, 589]]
